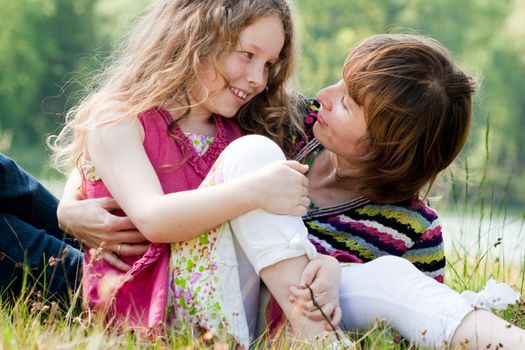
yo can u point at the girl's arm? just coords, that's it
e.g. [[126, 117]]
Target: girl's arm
[[121, 161]]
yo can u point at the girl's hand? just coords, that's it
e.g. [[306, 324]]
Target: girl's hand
[[92, 223], [323, 275], [282, 188]]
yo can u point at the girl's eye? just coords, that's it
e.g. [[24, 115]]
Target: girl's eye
[[247, 54]]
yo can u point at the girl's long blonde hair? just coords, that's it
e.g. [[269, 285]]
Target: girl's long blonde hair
[[159, 64]]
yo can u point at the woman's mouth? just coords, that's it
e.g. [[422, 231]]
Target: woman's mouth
[[320, 119]]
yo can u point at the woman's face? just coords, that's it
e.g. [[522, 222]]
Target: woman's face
[[246, 68], [341, 122]]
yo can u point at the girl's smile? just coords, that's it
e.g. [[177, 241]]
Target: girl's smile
[[246, 69]]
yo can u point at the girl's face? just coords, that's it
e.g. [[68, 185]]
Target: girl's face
[[246, 68], [341, 121]]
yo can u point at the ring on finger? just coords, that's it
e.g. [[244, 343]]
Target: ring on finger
[[119, 247]]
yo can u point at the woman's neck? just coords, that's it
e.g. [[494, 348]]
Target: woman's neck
[[326, 188]]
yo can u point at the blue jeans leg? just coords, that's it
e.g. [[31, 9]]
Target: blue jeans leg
[[51, 265], [29, 233], [24, 196]]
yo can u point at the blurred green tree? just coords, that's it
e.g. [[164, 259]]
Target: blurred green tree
[[478, 34], [41, 48], [49, 49]]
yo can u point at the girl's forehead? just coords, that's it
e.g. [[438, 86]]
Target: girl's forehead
[[263, 26], [266, 34]]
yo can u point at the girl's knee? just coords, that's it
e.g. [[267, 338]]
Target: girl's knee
[[256, 147], [248, 154]]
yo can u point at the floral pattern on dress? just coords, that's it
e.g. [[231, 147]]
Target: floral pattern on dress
[[200, 143], [203, 275], [88, 170]]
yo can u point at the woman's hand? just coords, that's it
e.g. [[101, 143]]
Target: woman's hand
[[282, 188], [323, 275], [92, 223]]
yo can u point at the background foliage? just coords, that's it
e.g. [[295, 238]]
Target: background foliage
[[48, 48]]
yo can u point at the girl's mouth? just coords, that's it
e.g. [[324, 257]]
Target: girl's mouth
[[239, 93]]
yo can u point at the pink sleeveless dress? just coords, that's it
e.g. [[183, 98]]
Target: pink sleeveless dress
[[139, 297]]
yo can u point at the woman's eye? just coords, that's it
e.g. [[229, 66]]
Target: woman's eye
[[343, 102]]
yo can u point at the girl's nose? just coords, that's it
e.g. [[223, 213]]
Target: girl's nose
[[256, 76]]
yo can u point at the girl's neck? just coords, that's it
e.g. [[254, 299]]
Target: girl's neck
[[197, 122], [199, 126], [326, 188]]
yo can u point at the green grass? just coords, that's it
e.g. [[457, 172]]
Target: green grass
[[31, 321]]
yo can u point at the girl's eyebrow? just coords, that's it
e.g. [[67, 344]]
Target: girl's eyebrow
[[258, 49]]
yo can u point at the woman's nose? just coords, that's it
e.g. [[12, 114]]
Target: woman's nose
[[323, 96]]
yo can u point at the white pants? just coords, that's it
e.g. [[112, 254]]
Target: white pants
[[390, 288], [208, 288], [264, 237], [260, 238]]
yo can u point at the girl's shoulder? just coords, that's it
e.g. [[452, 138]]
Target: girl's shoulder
[[155, 115]]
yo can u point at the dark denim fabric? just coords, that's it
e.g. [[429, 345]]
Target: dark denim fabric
[[30, 236]]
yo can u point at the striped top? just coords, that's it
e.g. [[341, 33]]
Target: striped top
[[361, 230]]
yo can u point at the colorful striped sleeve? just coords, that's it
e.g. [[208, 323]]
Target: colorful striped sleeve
[[427, 253]]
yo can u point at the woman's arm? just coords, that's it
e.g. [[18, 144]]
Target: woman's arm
[[92, 223], [321, 277], [122, 163], [428, 255]]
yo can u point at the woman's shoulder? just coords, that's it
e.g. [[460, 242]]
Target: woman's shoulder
[[416, 214], [310, 113], [308, 109], [424, 209]]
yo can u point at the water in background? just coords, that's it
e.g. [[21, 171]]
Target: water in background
[[477, 236]]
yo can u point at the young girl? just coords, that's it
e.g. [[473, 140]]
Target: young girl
[[159, 120]]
